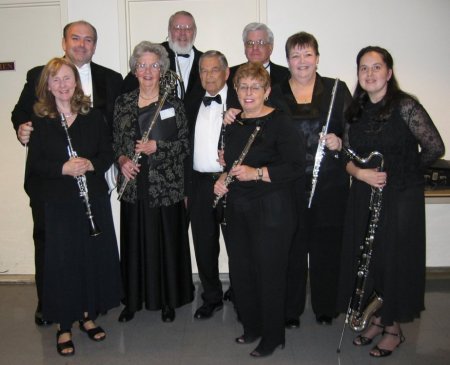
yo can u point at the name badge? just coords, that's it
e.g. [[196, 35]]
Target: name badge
[[167, 113]]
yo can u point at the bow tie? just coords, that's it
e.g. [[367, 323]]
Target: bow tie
[[207, 100], [185, 55]]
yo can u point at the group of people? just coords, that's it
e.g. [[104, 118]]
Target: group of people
[[223, 149]]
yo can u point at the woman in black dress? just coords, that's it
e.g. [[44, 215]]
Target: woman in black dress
[[306, 98], [385, 119], [82, 276], [260, 209], [155, 256]]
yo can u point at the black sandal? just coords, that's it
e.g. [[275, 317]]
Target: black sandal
[[60, 347], [93, 331], [384, 352], [361, 340]]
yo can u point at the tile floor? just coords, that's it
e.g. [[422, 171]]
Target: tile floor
[[146, 340]]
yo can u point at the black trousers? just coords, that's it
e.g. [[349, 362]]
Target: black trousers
[[322, 245], [205, 225], [38, 213], [260, 234]]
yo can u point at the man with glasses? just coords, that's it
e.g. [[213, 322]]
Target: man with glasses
[[183, 56], [258, 46]]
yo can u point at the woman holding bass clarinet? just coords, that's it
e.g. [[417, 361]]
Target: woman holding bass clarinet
[[69, 152], [385, 119]]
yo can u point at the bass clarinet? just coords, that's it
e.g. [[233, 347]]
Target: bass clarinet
[[167, 83], [82, 183], [230, 178], [357, 316], [320, 152]]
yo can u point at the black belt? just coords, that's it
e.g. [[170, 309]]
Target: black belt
[[208, 175]]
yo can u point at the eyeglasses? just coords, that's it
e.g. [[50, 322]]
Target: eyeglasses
[[243, 88], [143, 66], [185, 27], [256, 44]]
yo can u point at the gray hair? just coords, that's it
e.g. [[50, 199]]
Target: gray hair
[[257, 26], [185, 13], [213, 53], [157, 49]]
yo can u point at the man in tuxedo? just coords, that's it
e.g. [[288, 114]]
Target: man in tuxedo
[[183, 56], [258, 46], [100, 83], [205, 119]]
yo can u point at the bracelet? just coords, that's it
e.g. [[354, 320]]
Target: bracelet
[[259, 171]]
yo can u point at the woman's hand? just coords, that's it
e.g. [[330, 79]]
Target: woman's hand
[[77, 166], [219, 187], [147, 148], [230, 116], [332, 142], [244, 173], [221, 159], [128, 168], [24, 132], [372, 177]]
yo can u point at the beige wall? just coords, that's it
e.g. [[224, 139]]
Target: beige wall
[[415, 31]]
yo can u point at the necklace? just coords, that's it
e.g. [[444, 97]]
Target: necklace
[[150, 98]]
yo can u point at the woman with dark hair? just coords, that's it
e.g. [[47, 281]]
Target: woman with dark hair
[[383, 118], [82, 276], [260, 211], [155, 256]]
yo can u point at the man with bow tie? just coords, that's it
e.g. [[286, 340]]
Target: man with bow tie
[[100, 83], [205, 119], [183, 57]]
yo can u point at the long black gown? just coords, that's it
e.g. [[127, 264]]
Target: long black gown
[[397, 270], [81, 272]]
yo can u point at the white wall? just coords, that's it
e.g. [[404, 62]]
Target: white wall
[[415, 31]]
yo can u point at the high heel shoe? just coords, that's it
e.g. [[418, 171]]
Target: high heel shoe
[[68, 345], [361, 340], [92, 332], [167, 314], [383, 352], [264, 351], [246, 339], [126, 315]]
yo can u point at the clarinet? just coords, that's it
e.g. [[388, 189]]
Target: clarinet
[[167, 83], [222, 147], [230, 178], [357, 316], [320, 152], [82, 183]]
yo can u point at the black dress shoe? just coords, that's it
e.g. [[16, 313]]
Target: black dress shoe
[[126, 315], [292, 323], [322, 319], [246, 339], [228, 296], [263, 351], [207, 310], [167, 314], [41, 322]]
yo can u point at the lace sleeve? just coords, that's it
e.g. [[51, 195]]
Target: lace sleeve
[[423, 129]]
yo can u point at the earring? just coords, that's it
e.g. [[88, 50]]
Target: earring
[[266, 98]]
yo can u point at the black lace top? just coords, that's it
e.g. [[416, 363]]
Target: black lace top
[[408, 140]]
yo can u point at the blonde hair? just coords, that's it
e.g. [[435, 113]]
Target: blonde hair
[[46, 104], [254, 71]]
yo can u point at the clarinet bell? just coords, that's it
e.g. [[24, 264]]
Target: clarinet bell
[[93, 228]]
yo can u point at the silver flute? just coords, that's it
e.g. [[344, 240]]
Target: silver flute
[[82, 183], [320, 152], [167, 83], [230, 178]]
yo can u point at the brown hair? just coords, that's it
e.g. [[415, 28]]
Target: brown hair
[[254, 71], [46, 104]]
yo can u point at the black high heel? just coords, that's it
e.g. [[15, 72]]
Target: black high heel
[[93, 332], [264, 351], [384, 352], [60, 347], [361, 340], [246, 339]]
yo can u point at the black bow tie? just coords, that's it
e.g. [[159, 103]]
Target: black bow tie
[[207, 100], [185, 55]]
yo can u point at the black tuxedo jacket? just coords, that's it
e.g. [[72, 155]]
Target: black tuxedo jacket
[[277, 73], [194, 89], [106, 86], [192, 110]]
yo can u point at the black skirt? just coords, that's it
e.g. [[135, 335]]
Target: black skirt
[[155, 256]]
